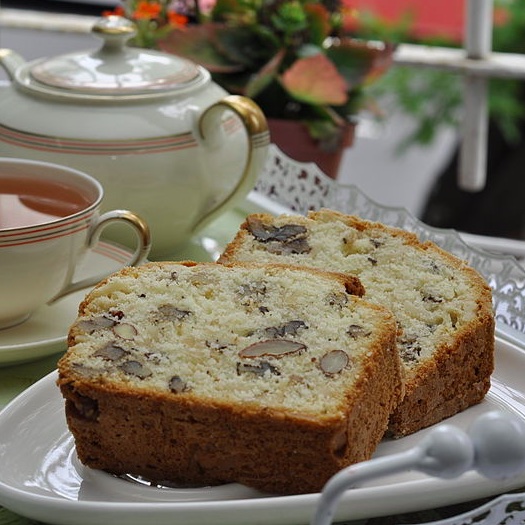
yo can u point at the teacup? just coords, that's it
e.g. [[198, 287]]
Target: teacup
[[49, 218]]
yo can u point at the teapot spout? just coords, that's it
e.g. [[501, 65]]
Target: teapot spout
[[10, 61]]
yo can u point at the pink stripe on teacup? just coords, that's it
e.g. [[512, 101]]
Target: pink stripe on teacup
[[47, 229], [35, 240]]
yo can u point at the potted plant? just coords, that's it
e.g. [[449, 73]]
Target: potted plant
[[295, 58]]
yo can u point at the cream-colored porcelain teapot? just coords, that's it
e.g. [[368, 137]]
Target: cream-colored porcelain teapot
[[161, 137]]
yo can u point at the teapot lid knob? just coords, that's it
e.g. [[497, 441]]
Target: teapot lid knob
[[115, 30]]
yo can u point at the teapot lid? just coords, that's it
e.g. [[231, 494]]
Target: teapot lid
[[116, 69]]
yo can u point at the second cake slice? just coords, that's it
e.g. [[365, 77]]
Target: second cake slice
[[442, 306]]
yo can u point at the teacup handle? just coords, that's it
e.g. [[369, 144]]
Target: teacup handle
[[256, 127], [139, 256]]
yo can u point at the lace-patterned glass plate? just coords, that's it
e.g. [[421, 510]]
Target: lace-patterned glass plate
[[303, 187], [508, 509]]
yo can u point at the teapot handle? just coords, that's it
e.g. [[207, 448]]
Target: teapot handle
[[256, 127], [10, 61]]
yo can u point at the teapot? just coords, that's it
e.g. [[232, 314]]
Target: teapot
[[161, 137]]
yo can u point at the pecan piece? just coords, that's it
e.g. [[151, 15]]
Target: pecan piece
[[263, 232], [172, 313], [293, 246], [111, 352], [272, 347], [356, 330], [410, 348], [134, 368], [258, 369], [334, 362], [289, 238], [290, 328], [96, 323], [177, 385]]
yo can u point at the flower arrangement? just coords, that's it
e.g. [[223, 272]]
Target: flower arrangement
[[295, 58], [154, 19]]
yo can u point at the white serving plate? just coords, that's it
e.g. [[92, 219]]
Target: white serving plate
[[41, 478]]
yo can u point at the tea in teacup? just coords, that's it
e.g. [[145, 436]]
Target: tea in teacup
[[26, 201]]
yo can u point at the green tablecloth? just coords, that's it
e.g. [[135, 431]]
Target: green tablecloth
[[16, 378]]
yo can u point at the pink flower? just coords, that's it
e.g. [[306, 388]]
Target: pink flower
[[206, 6]]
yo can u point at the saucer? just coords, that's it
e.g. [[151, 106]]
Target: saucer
[[45, 332]]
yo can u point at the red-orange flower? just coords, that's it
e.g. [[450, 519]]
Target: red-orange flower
[[350, 17], [118, 11], [147, 10], [177, 20]]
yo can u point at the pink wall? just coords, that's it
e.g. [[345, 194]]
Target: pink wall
[[431, 17]]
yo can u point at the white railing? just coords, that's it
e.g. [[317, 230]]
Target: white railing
[[478, 64]]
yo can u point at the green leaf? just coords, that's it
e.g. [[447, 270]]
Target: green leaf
[[251, 46], [266, 75], [198, 43], [359, 61], [318, 22], [290, 17]]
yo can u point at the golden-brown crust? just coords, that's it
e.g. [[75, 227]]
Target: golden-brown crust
[[458, 376], [184, 439]]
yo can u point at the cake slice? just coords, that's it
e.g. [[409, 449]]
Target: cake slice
[[267, 375], [442, 306]]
